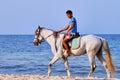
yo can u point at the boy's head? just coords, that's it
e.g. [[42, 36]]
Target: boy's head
[[69, 14]]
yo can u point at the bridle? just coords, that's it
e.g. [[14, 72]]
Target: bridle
[[38, 33], [43, 39]]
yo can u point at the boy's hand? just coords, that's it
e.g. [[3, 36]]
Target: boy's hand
[[57, 31], [67, 33], [63, 29]]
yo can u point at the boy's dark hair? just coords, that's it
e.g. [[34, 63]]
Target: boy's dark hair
[[68, 12]]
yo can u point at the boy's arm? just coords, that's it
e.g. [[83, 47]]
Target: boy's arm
[[66, 28], [70, 28]]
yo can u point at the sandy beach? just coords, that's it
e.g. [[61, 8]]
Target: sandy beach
[[39, 77]]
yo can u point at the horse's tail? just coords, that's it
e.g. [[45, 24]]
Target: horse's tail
[[108, 56]]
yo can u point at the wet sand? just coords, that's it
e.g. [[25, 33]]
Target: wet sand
[[39, 77]]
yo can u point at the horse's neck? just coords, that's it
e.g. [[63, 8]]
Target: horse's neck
[[53, 40], [46, 33], [50, 40]]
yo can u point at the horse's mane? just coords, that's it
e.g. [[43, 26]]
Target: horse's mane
[[56, 34], [47, 29]]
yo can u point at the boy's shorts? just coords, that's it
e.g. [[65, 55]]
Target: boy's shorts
[[70, 36]]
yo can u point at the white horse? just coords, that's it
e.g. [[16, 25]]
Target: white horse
[[90, 45]]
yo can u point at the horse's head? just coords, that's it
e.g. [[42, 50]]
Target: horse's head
[[38, 37], [42, 34]]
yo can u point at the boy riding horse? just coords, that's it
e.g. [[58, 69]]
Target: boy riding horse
[[71, 31]]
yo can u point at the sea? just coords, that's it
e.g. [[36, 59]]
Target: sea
[[18, 55]]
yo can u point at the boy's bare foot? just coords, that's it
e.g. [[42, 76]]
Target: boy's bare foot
[[68, 53]]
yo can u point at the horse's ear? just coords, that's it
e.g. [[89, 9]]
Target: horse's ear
[[38, 27]]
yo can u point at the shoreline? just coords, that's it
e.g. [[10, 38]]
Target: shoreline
[[43, 77]]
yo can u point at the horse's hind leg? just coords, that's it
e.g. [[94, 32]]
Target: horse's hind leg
[[102, 60], [92, 64]]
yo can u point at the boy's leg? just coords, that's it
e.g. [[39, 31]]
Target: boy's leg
[[66, 46], [65, 40]]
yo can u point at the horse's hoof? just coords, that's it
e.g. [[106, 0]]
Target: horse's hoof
[[48, 76], [89, 76], [69, 75]]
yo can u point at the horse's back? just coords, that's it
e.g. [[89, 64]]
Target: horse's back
[[91, 38], [92, 41]]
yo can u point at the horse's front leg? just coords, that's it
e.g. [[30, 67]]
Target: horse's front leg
[[66, 66], [55, 58]]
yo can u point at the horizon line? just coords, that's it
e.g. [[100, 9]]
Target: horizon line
[[81, 34]]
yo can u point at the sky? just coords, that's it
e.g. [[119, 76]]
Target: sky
[[93, 16]]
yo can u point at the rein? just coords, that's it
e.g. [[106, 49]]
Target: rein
[[47, 36]]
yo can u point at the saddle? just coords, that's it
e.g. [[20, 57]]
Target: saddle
[[74, 43]]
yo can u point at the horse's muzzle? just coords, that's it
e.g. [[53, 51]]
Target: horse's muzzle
[[36, 43]]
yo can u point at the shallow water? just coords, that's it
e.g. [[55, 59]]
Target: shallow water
[[18, 55]]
